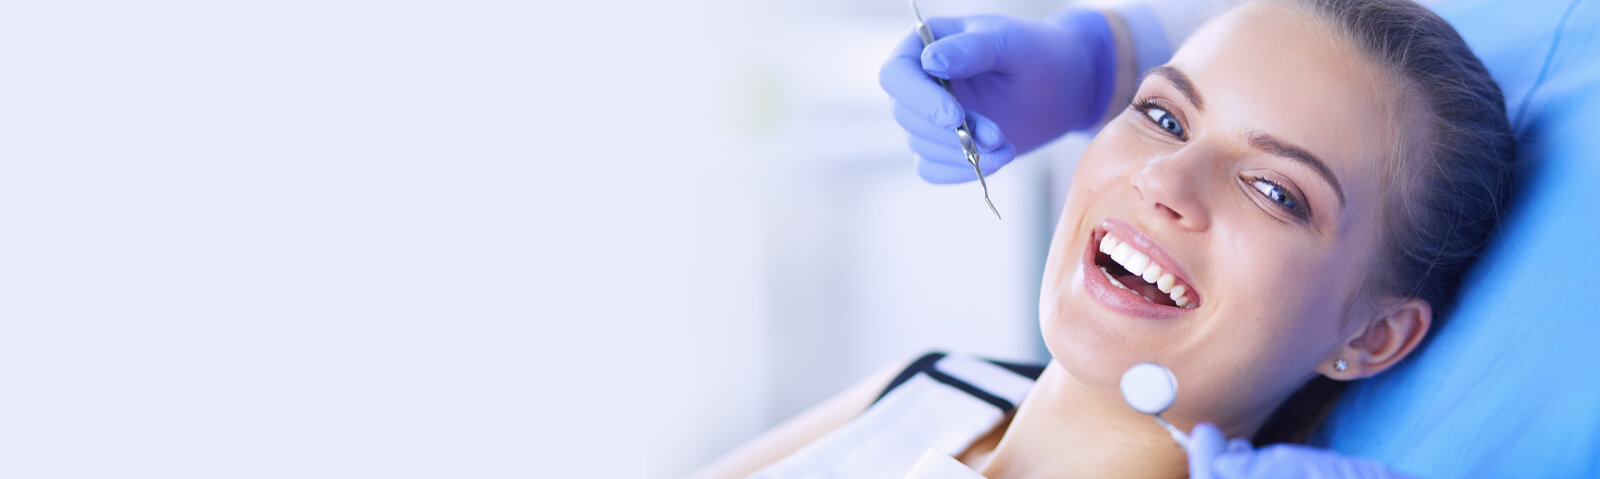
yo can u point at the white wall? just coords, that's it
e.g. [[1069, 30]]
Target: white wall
[[469, 239]]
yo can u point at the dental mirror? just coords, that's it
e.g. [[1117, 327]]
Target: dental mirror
[[1151, 388]]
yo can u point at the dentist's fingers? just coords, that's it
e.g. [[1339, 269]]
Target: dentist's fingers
[[948, 153], [940, 163], [902, 77], [1239, 445], [1206, 442], [1263, 463], [985, 132], [1290, 460], [942, 173], [968, 48]]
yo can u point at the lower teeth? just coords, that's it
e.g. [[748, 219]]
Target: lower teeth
[[1119, 284], [1115, 282]]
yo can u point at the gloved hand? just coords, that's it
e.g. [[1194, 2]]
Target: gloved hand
[[1021, 83], [1211, 456]]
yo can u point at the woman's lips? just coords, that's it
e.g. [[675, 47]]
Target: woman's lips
[[1150, 256]]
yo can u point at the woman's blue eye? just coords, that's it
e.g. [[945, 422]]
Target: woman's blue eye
[[1278, 195], [1164, 119]]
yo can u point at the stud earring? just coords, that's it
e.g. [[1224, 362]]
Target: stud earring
[[1340, 365]]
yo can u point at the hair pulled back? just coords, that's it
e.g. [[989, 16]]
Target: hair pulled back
[[1449, 178]]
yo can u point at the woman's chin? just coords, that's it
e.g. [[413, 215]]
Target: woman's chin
[[1090, 346]]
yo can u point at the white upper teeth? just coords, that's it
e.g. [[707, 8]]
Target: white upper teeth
[[1142, 266]]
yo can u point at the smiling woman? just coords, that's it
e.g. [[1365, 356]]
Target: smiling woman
[[1266, 181], [1289, 203]]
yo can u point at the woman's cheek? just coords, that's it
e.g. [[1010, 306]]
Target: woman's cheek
[[1275, 298], [1101, 164], [1117, 151]]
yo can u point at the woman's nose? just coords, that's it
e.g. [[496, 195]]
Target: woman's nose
[[1170, 189]]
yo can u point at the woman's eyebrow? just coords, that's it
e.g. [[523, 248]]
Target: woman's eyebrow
[[1181, 81], [1273, 146]]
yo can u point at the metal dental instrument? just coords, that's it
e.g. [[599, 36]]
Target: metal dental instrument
[[962, 133], [1151, 388]]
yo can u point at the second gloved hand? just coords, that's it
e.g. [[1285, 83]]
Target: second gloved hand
[[1212, 456], [1020, 84]]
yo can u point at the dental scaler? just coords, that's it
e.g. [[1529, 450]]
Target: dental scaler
[[963, 134]]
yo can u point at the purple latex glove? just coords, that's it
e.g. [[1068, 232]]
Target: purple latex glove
[[1021, 83], [1212, 456]]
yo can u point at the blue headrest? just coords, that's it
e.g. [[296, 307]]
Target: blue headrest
[[1508, 387]]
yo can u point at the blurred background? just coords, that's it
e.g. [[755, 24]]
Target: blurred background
[[474, 238]]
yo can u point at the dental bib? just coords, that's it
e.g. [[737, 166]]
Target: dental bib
[[934, 410]]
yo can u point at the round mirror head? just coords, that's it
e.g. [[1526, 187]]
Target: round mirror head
[[1149, 387]]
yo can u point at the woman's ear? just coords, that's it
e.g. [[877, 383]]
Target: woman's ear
[[1388, 337]]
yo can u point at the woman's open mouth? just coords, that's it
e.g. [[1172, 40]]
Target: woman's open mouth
[[1134, 274]]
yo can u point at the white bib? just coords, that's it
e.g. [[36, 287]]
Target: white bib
[[937, 408]]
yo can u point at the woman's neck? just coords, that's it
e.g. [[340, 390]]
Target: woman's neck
[[1064, 430]]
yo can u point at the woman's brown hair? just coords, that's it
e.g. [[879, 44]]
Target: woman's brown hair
[[1448, 181]]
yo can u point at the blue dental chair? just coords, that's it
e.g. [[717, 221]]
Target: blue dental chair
[[1509, 386]]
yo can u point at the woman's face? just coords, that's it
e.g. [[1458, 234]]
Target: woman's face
[[1249, 169]]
